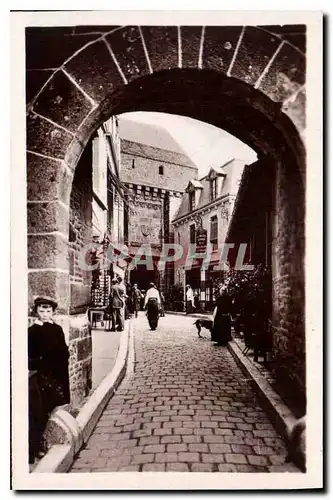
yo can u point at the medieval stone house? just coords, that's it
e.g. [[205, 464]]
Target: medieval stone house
[[155, 171]]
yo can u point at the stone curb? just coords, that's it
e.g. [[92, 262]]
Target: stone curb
[[60, 457], [281, 416]]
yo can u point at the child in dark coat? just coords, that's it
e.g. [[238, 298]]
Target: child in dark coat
[[48, 359]]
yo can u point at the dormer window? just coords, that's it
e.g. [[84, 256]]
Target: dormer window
[[215, 178], [192, 200], [193, 189], [213, 189]]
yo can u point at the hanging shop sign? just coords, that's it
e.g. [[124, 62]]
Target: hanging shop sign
[[201, 240]]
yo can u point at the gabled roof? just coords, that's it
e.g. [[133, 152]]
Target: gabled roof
[[215, 172], [230, 171], [192, 185], [149, 134], [152, 141], [163, 155]]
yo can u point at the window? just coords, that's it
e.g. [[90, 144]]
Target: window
[[213, 229], [161, 170], [192, 233], [213, 189], [178, 238], [192, 200], [133, 163]]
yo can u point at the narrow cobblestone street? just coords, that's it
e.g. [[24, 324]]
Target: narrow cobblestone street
[[186, 407]]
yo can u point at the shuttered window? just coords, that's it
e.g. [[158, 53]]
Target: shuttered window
[[213, 189], [192, 233], [192, 200]]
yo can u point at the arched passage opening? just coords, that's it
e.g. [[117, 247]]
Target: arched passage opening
[[78, 98]]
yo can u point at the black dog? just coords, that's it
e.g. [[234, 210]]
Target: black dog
[[203, 323]]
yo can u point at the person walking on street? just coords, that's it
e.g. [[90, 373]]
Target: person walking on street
[[125, 297], [189, 300], [117, 301], [136, 299], [153, 304]]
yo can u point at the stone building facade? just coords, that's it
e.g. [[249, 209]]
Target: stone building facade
[[272, 229], [156, 179], [206, 205]]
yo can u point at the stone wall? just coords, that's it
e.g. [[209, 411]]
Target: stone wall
[[80, 232], [80, 361], [146, 171], [288, 279]]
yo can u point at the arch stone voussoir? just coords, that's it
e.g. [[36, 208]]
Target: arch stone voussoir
[[62, 102], [286, 74], [90, 124], [47, 138], [95, 71], [255, 51], [219, 47], [162, 46], [74, 152], [128, 49], [190, 42]]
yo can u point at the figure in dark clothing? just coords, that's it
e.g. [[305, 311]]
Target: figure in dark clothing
[[117, 301], [48, 362], [129, 309], [153, 305], [162, 312], [136, 299], [221, 332]]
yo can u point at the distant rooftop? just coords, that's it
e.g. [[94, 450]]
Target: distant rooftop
[[232, 170], [151, 141], [151, 135]]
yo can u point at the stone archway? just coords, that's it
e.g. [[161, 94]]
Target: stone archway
[[247, 80]]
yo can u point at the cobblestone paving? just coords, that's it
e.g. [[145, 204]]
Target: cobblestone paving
[[186, 407]]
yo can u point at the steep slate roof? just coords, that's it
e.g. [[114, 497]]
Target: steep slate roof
[[231, 171], [137, 149], [142, 139]]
